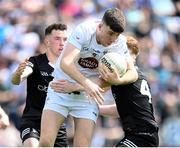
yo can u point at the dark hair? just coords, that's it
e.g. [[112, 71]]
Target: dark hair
[[59, 26], [115, 19]]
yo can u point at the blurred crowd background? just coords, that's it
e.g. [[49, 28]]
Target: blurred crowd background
[[156, 25]]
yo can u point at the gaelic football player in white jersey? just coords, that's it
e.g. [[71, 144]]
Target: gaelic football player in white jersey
[[78, 63]]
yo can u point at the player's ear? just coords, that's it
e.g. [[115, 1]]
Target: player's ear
[[100, 25], [46, 41]]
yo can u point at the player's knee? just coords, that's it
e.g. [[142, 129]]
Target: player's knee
[[84, 142], [46, 143]]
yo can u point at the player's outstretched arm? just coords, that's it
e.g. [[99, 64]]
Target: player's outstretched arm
[[17, 75]]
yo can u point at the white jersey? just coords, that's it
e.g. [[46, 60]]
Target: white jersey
[[84, 38]]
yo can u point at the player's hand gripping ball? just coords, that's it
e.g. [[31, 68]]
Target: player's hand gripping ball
[[113, 61]]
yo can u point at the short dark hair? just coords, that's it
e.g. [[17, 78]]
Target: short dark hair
[[115, 19], [59, 26]]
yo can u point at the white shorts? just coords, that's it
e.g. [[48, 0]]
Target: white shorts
[[76, 105]]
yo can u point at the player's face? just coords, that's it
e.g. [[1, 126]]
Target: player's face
[[106, 36], [57, 40]]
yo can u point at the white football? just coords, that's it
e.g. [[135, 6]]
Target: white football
[[114, 60]]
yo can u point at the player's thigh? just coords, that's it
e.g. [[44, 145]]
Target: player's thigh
[[54, 114], [84, 110], [50, 124], [84, 129]]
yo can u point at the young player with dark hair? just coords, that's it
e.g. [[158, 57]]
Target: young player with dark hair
[[88, 42], [37, 84]]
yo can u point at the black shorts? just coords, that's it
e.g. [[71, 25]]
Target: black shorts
[[141, 139], [29, 132]]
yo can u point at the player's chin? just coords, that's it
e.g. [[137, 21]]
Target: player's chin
[[59, 51], [108, 43]]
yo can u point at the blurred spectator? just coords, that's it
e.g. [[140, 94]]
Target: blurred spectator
[[154, 23]]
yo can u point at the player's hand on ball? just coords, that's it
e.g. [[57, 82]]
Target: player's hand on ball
[[109, 76], [112, 66], [21, 67]]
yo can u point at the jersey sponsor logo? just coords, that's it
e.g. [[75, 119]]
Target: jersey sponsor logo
[[42, 88], [88, 62]]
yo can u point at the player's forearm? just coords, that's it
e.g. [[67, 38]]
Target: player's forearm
[[103, 84], [129, 77], [72, 71], [78, 87], [16, 79], [109, 110]]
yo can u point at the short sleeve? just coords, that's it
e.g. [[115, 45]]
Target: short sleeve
[[32, 60], [121, 46], [77, 37]]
